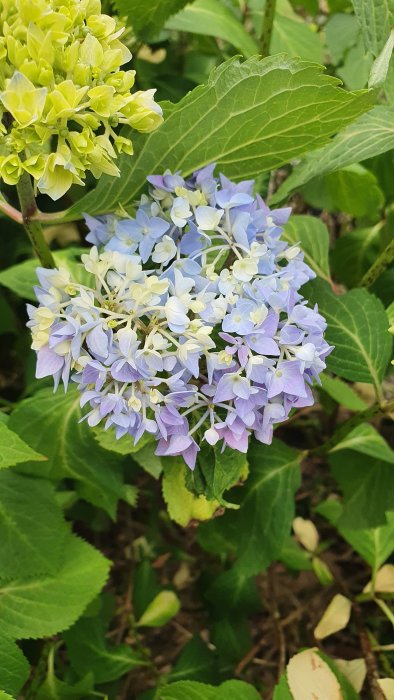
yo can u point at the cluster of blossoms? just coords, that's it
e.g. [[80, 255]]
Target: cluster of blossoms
[[195, 329], [62, 93]]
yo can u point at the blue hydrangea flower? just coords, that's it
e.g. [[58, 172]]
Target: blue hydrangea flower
[[195, 328]]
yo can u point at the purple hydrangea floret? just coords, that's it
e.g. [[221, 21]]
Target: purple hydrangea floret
[[194, 328]]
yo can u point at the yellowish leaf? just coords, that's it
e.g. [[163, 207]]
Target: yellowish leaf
[[354, 670], [306, 533], [335, 617], [387, 686], [384, 581], [310, 678]]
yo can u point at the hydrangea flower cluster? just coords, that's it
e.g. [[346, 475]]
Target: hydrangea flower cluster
[[62, 93], [195, 329]]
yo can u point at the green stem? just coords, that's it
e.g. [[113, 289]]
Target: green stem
[[33, 228], [380, 265], [266, 27]]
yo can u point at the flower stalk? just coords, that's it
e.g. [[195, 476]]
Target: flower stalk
[[33, 227], [267, 27]]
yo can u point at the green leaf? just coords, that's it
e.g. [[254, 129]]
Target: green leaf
[[216, 472], [342, 393], [357, 327], [342, 32], [362, 464], [183, 506], [55, 689], [124, 446], [296, 39], [234, 593], [260, 527], [13, 450], [145, 587], [236, 690], [390, 313], [211, 18], [281, 691], [231, 637], [74, 454], [380, 67], [312, 236], [370, 135], [376, 19], [288, 106], [42, 606], [89, 651], [5, 696], [366, 439], [14, 667], [356, 69], [32, 529], [162, 608], [21, 278], [196, 662], [354, 253], [295, 557], [148, 18], [374, 545], [353, 190]]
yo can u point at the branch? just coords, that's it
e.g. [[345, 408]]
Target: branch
[[32, 226]]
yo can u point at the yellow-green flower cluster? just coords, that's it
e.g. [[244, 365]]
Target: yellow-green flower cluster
[[62, 93]]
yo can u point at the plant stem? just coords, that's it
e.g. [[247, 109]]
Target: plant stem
[[380, 265], [266, 27], [33, 228]]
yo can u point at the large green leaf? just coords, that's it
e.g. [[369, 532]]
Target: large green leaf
[[13, 450], [375, 545], [376, 18], [353, 190], [50, 424], [14, 668], [89, 651], [312, 236], [370, 135], [258, 530], [148, 17], [212, 18], [357, 326], [42, 606], [250, 117], [363, 465], [32, 529], [354, 252], [192, 690]]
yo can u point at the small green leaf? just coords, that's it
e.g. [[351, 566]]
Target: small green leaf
[[231, 637], [353, 190], [14, 667], [357, 327], [366, 439], [89, 651], [312, 236], [162, 608], [375, 545], [380, 67], [354, 253], [44, 605], [342, 393], [282, 691], [232, 592], [362, 464], [13, 450], [55, 689], [342, 32], [211, 18], [196, 662]]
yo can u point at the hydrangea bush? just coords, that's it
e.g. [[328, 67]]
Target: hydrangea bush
[[193, 328]]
